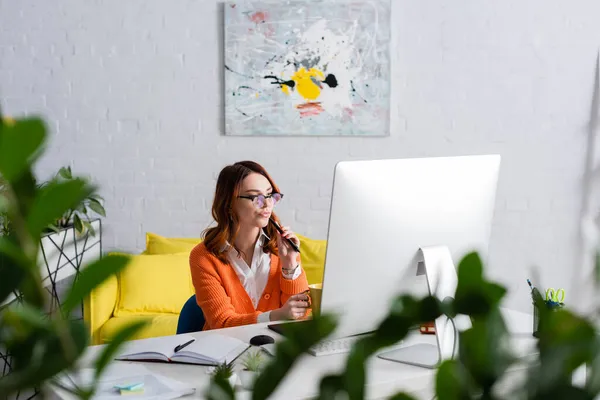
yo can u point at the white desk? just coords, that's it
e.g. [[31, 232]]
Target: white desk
[[384, 378]]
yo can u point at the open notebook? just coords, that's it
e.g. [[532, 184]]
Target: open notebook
[[208, 349]]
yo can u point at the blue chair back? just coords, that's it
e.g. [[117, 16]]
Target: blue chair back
[[191, 318]]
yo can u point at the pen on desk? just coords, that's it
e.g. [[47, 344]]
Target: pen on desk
[[181, 346]]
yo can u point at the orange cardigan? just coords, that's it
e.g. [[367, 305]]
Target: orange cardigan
[[222, 296]]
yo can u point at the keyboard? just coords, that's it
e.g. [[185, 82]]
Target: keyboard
[[334, 346]]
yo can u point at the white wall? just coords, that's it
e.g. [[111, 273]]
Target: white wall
[[132, 92]]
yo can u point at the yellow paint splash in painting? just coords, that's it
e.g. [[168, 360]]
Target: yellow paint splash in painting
[[304, 83]]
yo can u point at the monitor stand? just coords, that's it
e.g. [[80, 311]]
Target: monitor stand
[[441, 281], [422, 355]]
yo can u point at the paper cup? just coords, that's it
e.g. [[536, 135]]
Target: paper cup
[[315, 297]]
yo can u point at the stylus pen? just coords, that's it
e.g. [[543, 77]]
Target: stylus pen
[[294, 246], [181, 346]]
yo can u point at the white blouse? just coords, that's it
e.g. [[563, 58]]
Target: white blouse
[[254, 278]]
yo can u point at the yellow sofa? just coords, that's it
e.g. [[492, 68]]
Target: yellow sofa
[[156, 284]]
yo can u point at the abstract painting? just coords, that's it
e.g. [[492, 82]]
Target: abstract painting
[[319, 68]]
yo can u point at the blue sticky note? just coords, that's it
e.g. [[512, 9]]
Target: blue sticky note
[[130, 386]]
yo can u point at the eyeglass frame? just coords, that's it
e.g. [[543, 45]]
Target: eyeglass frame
[[251, 197]]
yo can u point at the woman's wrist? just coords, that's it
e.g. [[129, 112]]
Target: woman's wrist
[[274, 315]]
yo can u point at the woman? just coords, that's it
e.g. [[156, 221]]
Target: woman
[[243, 271]]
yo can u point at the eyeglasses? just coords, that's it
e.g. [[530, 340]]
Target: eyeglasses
[[260, 200]]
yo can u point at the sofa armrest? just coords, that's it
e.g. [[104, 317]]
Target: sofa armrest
[[99, 307]]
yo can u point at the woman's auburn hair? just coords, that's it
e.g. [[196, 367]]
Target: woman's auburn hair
[[228, 188]]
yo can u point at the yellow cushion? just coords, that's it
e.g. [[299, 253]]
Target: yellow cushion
[[158, 325], [153, 284], [156, 244], [313, 258]]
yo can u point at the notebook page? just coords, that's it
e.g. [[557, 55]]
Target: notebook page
[[164, 345], [212, 347]]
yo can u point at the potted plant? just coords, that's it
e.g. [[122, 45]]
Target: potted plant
[[224, 372], [77, 217], [252, 365], [70, 241]]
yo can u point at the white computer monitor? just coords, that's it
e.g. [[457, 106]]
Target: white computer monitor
[[383, 212]]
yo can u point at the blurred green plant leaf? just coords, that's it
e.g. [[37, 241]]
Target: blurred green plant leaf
[[560, 390], [111, 349], [487, 340], [402, 396], [54, 200], [451, 382], [21, 319], [24, 195], [92, 276], [593, 372], [220, 388], [12, 272], [20, 144], [475, 296], [41, 357], [330, 387], [566, 341], [300, 338]]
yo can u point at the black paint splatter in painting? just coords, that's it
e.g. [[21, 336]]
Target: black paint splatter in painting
[[235, 72], [280, 82], [355, 92], [331, 81], [270, 60], [237, 92], [243, 113]]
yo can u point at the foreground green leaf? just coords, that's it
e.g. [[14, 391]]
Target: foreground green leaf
[[566, 341], [41, 356], [22, 319], [487, 340], [475, 296], [451, 383], [11, 270], [330, 387], [593, 372], [402, 396], [92, 276], [20, 145], [220, 389]]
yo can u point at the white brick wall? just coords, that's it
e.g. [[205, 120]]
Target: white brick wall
[[132, 94]]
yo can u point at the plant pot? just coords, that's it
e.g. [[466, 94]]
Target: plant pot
[[247, 379], [233, 380]]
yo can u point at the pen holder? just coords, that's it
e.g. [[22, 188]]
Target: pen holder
[[536, 315]]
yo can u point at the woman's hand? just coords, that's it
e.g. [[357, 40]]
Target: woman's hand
[[287, 254], [294, 308]]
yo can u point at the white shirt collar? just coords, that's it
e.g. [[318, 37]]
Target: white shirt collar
[[260, 242]]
